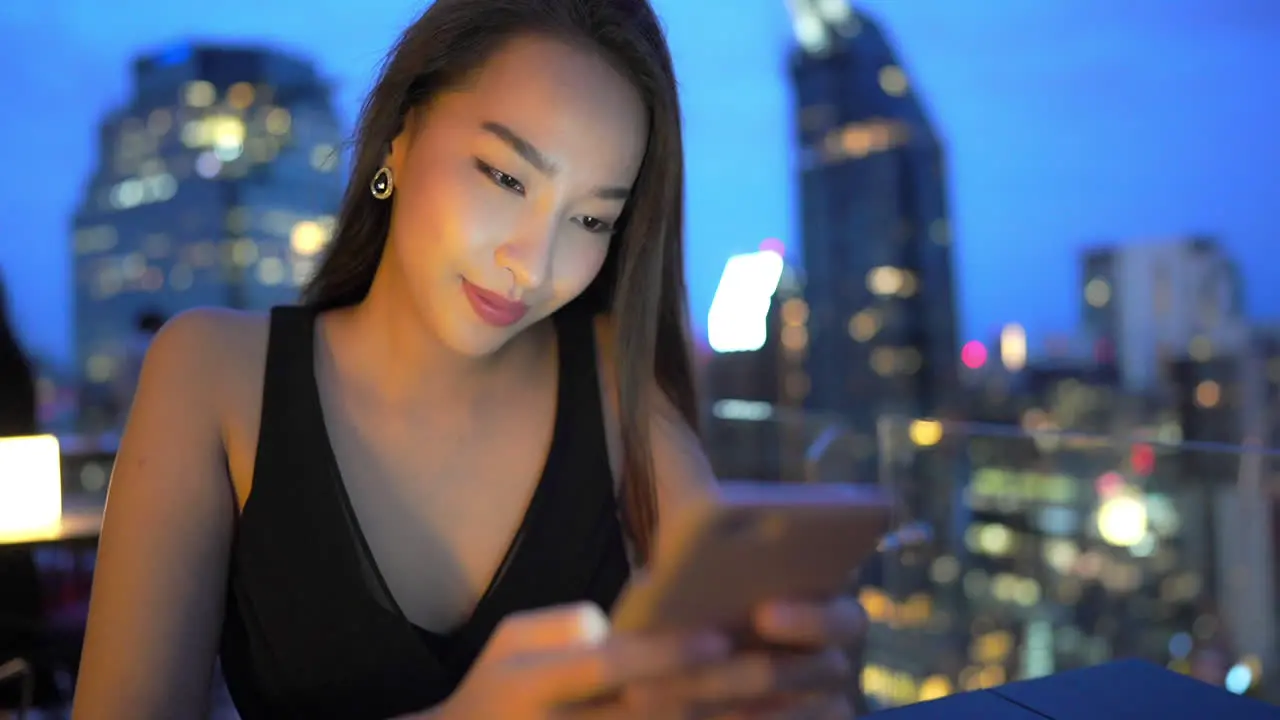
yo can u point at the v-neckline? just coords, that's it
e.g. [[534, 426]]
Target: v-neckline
[[433, 639]]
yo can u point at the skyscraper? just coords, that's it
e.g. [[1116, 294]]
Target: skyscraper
[[215, 185], [881, 331], [877, 256], [1147, 303]]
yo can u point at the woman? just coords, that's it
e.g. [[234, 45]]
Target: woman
[[398, 499]]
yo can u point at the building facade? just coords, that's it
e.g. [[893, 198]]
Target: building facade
[[875, 239], [216, 184]]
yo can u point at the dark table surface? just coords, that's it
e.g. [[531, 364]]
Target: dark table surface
[[1122, 690]]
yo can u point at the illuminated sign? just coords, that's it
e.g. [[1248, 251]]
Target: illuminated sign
[[738, 321]]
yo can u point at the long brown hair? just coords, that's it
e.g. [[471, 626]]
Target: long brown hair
[[641, 285]]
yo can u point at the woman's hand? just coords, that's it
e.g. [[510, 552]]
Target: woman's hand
[[561, 663], [802, 670], [837, 627]]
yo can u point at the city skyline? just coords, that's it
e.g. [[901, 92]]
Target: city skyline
[[1065, 128]]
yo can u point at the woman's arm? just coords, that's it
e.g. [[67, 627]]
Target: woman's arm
[[157, 602]]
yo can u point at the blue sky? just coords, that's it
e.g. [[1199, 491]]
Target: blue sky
[[1068, 124]]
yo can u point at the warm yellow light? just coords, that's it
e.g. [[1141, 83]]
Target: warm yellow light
[[864, 325], [278, 121], [1097, 292], [1208, 393], [1013, 347], [1122, 520], [200, 93], [30, 484], [308, 237], [925, 433], [934, 687], [240, 95]]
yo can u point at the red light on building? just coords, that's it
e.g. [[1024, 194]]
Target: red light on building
[[973, 354], [1109, 483], [1143, 459]]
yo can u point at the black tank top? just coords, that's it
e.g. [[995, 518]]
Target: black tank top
[[311, 630]]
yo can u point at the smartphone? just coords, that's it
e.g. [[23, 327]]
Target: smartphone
[[717, 561]]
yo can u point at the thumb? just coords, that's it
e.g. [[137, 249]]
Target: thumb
[[581, 624]]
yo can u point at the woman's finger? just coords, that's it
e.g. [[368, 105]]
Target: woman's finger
[[554, 628], [587, 673], [840, 623]]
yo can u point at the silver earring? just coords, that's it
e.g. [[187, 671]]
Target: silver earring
[[382, 184]]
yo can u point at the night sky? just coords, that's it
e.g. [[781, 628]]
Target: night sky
[[1068, 124]]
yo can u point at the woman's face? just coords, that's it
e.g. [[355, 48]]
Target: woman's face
[[507, 190]]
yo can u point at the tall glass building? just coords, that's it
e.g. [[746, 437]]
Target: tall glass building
[[877, 255], [882, 350], [216, 184]]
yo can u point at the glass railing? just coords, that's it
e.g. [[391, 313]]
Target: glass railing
[[1035, 552]]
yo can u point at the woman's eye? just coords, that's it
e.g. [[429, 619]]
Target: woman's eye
[[500, 178], [594, 225]]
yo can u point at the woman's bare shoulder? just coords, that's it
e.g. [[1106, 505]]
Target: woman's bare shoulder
[[165, 545], [222, 349], [220, 331]]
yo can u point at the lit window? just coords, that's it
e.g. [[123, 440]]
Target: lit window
[[893, 80], [308, 237], [1097, 292], [199, 94], [244, 252], [925, 433], [910, 285], [1013, 347], [240, 95], [1208, 394], [795, 338], [99, 368], [226, 134], [864, 325], [885, 280], [795, 312], [278, 121], [271, 271], [883, 361]]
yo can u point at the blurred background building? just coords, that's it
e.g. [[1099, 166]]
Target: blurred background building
[[215, 185]]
